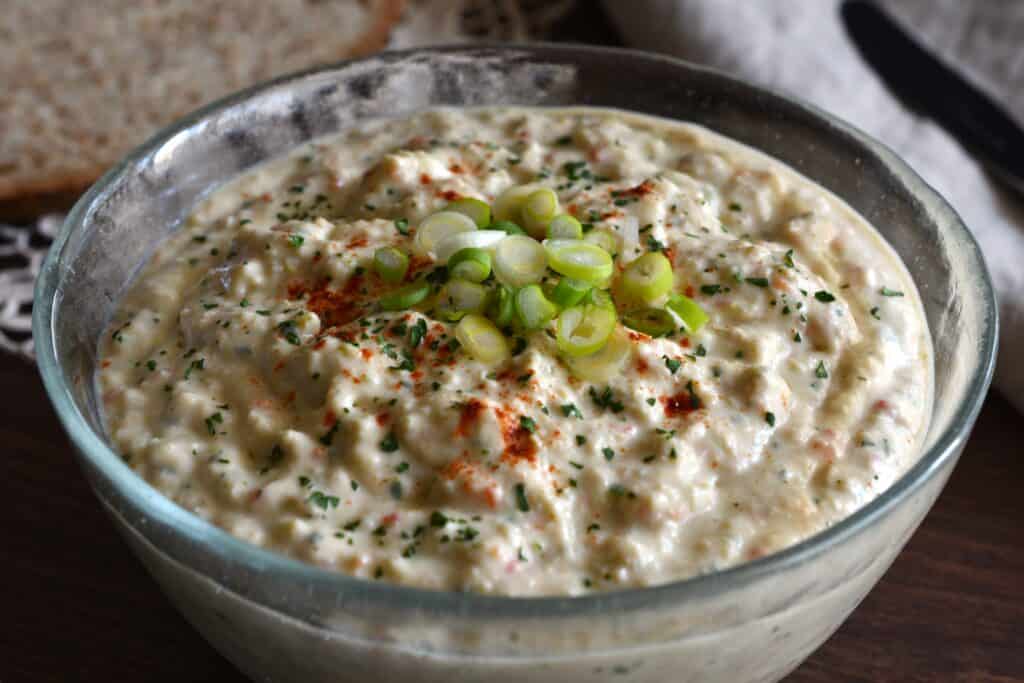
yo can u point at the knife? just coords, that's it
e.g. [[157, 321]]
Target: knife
[[928, 86]]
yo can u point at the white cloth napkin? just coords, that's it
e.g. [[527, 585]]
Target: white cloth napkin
[[800, 46]]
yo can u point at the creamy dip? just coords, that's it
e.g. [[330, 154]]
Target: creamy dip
[[251, 375]]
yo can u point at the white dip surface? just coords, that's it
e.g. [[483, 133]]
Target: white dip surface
[[250, 376]]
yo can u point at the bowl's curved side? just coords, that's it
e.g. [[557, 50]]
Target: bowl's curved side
[[118, 222]]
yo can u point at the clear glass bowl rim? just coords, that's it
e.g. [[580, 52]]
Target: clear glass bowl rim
[[231, 550]]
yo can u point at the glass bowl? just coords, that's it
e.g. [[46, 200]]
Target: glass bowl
[[278, 619]]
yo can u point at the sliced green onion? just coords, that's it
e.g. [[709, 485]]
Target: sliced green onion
[[459, 297], [648, 277], [599, 297], [519, 260], [509, 204], [507, 227], [688, 310], [583, 330], [480, 239], [391, 264], [482, 339], [503, 308], [579, 260], [533, 308], [653, 321], [606, 363], [604, 238], [569, 292], [471, 263], [476, 209], [564, 226], [436, 227], [405, 297], [539, 208]]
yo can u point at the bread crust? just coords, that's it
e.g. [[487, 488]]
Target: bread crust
[[22, 199]]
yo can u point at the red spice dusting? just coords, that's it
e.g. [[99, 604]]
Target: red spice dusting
[[290, 398], [334, 308], [641, 365], [680, 404], [279, 365], [455, 168], [670, 254], [416, 375], [255, 495], [388, 520], [882, 404], [357, 242], [519, 443], [456, 467], [347, 373], [416, 264], [644, 188], [573, 210], [367, 354], [320, 344], [471, 411], [105, 363], [266, 196], [449, 195], [317, 256], [382, 418], [425, 179], [330, 418], [685, 342], [636, 336], [689, 291]]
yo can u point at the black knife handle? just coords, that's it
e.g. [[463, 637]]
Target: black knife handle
[[924, 83]]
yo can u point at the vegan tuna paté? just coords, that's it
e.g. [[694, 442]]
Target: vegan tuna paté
[[521, 352]]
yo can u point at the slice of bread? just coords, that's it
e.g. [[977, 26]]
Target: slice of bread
[[87, 80]]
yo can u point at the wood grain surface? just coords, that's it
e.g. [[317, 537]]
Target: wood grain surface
[[78, 607]]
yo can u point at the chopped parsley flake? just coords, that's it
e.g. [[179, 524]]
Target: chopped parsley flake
[[290, 332], [710, 290], [821, 372], [322, 500], [570, 410], [528, 424], [212, 422], [521, 502], [824, 297], [672, 364], [769, 417], [606, 399], [757, 281], [328, 437], [390, 443], [609, 454], [885, 291], [296, 240]]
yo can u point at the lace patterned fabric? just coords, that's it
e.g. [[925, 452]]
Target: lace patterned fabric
[[426, 22]]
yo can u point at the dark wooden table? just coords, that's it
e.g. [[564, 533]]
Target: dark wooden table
[[78, 607]]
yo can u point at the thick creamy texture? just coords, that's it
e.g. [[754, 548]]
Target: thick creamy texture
[[249, 376]]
